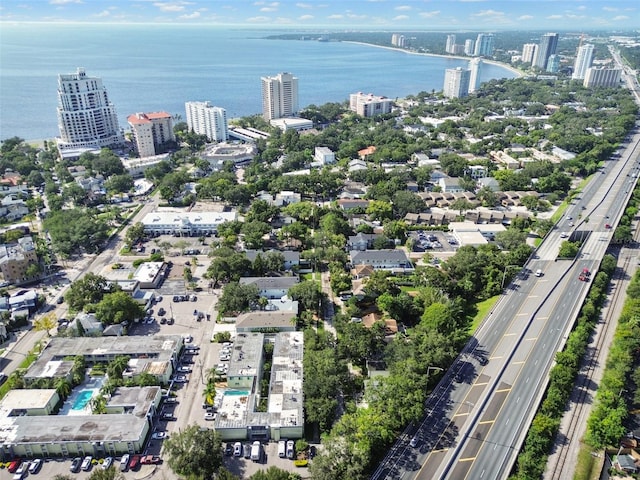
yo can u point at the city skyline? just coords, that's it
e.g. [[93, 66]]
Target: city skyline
[[366, 14]]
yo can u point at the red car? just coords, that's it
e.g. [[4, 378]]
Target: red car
[[135, 462], [13, 466], [607, 226]]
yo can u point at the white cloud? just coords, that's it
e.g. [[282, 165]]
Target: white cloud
[[401, 17], [431, 14], [609, 9], [303, 5], [258, 19], [170, 7], [353, 16], [63, 2], [103, 14], [305, 17], [268, 9], [525, 17], [190, 16], [554, 17], [619, 18], [335, 17], [487, 13], [285, 20], [403, 8], [582, 7]]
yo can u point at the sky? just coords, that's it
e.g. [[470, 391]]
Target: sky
[[571, 15]]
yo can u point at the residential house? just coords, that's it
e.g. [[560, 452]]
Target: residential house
[[89, 324], [361, 241], [271, 287], [13, 208], [357, 165], [347, 204], [324, 156], [393, 260], [291, 259], [366, 152], [450, 184]]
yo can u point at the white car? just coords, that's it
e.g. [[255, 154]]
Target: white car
[[107, 463], [225, 358], [210, 416], [563, 235], [159, 435], [180, 379]]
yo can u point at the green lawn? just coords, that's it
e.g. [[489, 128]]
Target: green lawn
[[483, 310]]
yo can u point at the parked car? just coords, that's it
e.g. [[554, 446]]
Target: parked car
[[159, 435], [237, 449], [75, 465], [170, 400], [35, 466], [179, 379], [290, 450], [168, 416], [177, 299], [184, 369], [161, 311], [246, 451], [163, 321], [86, 463], [106, 464], [150, 460], [210, 416], [22, 469], [225, 358], [414, 442], [228, 449], [124, 463], [170, 321], [135, 462]]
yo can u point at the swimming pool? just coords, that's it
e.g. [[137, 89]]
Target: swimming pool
[[236, 392], [83, 398]]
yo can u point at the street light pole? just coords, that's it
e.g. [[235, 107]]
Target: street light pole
[[504, 274]]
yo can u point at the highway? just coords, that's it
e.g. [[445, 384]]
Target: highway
[[478, 415]]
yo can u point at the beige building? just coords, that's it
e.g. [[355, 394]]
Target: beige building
[[151, 131], [15, 260], [369, 105]]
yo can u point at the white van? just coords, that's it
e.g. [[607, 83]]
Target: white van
[[282, 449], [538, 273]]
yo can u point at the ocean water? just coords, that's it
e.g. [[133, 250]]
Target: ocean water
[[148, 68]]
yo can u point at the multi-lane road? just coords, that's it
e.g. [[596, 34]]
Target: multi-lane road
[[477, 417]]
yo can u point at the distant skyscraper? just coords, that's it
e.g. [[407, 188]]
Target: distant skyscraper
[[151, 131], [279, 96], [553, 64], [546, 48], [602, 77], [484, 45], [451, 41], [86, 117], [584, 58], [398, 40], [456, 82], [205, 119], [475, 66], [529, 51], [469, 46]]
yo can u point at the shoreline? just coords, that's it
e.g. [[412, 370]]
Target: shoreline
[[506, 66]]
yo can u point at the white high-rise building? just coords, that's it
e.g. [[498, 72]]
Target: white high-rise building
[[469, 46], [602, 77], [456, 82], [451, 42], [151, 131], [398, 40], [206, 119], [529, 51], [86, 117], [475, 66], [279, 96], [484, 45], [584, 58]]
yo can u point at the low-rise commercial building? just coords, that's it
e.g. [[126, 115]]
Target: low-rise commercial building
[[189, 224]]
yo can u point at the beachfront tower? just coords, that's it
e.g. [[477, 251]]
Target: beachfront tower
[[451, 43], [279, 96], [456, 82], [86, 116], [529, 51], [484, 45], [475, 66]]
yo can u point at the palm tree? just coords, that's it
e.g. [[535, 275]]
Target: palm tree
[[63, 387], [209, 392], [98, 405]]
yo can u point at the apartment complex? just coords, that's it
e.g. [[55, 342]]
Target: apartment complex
[[456, 82], [369, 105], [205, 119], [583, 62], [279, 96], [602, 77], [15, 260], [546, 48], [86, 116], [484, 45], [189, 224], [451, 43], [151, 131]]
